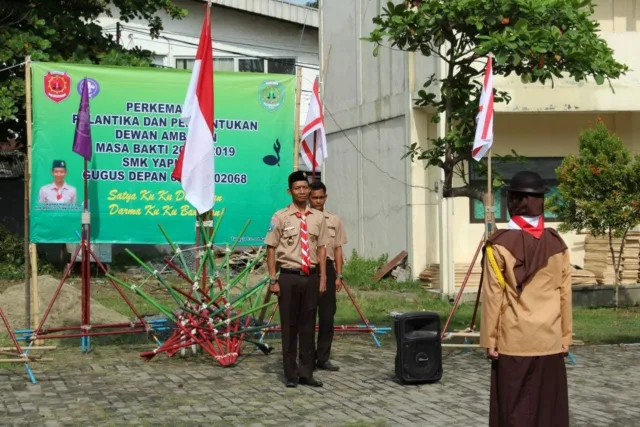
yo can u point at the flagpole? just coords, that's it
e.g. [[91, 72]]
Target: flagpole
[[313, 162], [206, 217], [488, 202]]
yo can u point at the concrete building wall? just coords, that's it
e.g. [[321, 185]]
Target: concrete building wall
[[541, 135], [370, 121], [370, 97]]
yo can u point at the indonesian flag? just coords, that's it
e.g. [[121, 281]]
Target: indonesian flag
[[195, 165], [484, 120], [313, 134]]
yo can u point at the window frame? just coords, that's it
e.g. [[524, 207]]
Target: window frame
[[236, 62], [502, 217]]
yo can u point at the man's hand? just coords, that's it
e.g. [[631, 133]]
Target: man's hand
[[565, 350], [339, 285], [492, 354], [275, 288], [323, 285]]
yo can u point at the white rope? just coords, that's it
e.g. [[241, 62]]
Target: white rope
[[13, 66]]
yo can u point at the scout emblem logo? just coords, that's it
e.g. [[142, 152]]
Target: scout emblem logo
[[57, 86], [272, 95], [94, 87]]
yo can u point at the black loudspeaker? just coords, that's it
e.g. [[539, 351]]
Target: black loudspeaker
[[419, 347]]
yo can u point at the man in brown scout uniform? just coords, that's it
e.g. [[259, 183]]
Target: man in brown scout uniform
[[296, 246], [327, 301], [526, 313]]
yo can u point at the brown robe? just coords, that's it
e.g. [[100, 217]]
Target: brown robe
[[529, 379]]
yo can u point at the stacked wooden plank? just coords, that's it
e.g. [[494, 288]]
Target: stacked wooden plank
[[582, 277], [597, 258], [430, 277]]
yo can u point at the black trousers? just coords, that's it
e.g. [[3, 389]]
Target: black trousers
[[326, 314], [298, 305]]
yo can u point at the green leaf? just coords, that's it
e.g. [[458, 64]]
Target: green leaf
[[599, 78], [376, 50], [525, 78], [521, 25], [516, 59], [501, 57]]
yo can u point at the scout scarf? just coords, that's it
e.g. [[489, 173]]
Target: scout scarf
[[533, 225], [304, 242]]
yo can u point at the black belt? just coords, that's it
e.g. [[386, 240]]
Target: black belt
[[297, 271]]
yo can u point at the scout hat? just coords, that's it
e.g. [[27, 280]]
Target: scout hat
[[297, 176], [59, 164], [527, 182]]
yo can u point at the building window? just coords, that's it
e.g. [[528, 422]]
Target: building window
[[281, 66], [250, 65], [185, 63], [544, 166], [158, 61], [245, 65], [224, 64]]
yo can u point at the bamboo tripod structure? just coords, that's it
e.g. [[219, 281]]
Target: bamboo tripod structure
[[207, 316]]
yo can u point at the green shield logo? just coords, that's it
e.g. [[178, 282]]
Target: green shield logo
[[271, 95]]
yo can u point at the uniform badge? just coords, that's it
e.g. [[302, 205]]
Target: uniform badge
[[271, 227], [290, 241]]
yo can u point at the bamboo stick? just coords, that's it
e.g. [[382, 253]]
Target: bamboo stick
[[296, 135]]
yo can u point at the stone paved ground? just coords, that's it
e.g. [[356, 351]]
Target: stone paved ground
[[112, 387]]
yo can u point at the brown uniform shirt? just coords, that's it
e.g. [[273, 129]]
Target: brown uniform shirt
[[538, 321], [284, 235], [337, 236]]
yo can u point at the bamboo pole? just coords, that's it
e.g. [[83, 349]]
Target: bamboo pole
[[35, 301], [33, 252], [27, 188], [296, 135]]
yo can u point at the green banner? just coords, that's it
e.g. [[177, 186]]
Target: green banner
[[137, 135]]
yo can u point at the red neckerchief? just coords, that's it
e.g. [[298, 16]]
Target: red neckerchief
[[528, 228]]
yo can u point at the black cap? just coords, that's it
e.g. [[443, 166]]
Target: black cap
[[59, 164], [527, 182], [297, 176]]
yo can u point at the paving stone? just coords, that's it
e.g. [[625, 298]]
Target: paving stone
[[115, 387]]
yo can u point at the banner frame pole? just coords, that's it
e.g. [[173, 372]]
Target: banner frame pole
[[296, 131]]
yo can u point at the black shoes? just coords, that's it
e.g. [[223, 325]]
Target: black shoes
[[328, 367], [291, 383], [311, 382]]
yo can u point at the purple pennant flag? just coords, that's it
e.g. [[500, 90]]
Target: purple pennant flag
[[82, 139]]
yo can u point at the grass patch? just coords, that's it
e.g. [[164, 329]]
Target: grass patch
[[359, 274], [377, 301]]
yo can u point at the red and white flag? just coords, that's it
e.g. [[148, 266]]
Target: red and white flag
[[195, 165], [484, 120], [313, 133]]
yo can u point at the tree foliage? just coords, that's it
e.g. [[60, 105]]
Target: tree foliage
[[65, 31], [538, 40], [599, 190]]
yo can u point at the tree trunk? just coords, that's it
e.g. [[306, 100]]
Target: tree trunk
[[616, 265]]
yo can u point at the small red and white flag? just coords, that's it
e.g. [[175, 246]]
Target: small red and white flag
[[484, 120], [195, 165], [313, 136]]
